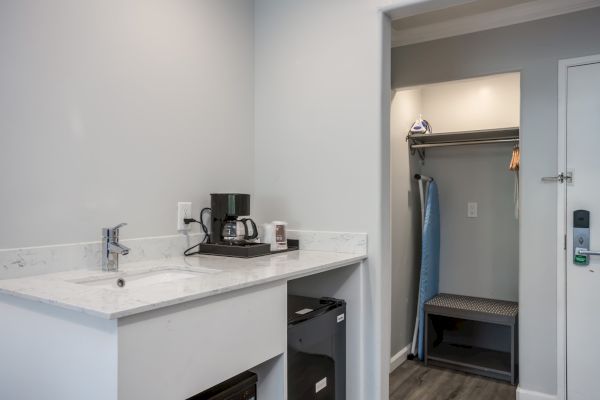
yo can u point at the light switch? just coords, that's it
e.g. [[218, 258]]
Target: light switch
[[472, 210]]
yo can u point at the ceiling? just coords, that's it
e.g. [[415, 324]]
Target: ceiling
[[467, 16], [462, 10]]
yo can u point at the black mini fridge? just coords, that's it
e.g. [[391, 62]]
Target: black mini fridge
[[316, 348]]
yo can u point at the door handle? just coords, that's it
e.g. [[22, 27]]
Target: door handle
[[587, 252], [562, 177]]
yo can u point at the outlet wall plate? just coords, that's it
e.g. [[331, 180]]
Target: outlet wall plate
[[472, 210], [184, 210]]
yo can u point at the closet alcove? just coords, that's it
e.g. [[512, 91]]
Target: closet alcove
[[470, 155]]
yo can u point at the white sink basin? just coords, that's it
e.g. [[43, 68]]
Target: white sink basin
[[145, 278]]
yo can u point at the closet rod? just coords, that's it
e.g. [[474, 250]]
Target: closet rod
[[464, 143]]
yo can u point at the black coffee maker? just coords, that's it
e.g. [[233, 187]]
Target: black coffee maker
[[226, 228]]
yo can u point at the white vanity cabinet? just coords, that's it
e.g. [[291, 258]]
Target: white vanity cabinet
[[169, 353], [66, 339]]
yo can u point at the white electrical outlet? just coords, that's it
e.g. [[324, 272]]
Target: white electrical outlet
[[184, 210], [472, 210]]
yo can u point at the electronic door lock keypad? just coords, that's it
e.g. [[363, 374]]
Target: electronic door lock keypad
[[581, 237]]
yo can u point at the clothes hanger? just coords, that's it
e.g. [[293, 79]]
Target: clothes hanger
[[515, 160], [514, 165]]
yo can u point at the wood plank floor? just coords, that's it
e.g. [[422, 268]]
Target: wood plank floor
[[413, 381]]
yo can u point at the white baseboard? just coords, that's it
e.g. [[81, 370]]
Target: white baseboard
[[523, 394], [399, 358]]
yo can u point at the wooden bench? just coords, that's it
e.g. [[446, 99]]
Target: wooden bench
[[447, 314]]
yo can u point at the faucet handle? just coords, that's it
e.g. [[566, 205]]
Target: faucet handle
[[116, 228], [114, 231]]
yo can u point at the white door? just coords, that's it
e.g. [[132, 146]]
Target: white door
[[583, 281]]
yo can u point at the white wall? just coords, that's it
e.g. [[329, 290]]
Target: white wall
[[471, 104], [113, 111], [533, 48], [320, 151]]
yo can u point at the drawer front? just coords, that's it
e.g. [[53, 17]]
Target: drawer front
[[179, 351]]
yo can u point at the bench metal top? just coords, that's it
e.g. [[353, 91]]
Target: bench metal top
[[501, 308]]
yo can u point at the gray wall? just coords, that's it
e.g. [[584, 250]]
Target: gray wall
[[406, 220], [479, 256], [113, 111], [533, 48]]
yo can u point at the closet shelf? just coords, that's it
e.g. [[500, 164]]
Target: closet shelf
[[419, 141]]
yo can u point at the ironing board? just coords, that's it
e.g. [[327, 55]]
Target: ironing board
[[430, 259]]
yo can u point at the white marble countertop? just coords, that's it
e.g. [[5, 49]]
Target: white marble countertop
[[63, 290]]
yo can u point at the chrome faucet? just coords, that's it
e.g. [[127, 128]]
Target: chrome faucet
[[111, 248]]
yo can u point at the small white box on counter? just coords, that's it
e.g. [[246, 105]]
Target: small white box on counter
[[275, 233]]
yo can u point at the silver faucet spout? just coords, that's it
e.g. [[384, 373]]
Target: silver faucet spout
[[111, 248], [118, 248]]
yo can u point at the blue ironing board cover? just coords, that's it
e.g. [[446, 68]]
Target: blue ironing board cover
[[430, 258]]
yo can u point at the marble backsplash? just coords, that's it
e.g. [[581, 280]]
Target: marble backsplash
[[22, 262], [337, 242], [18, 263]]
